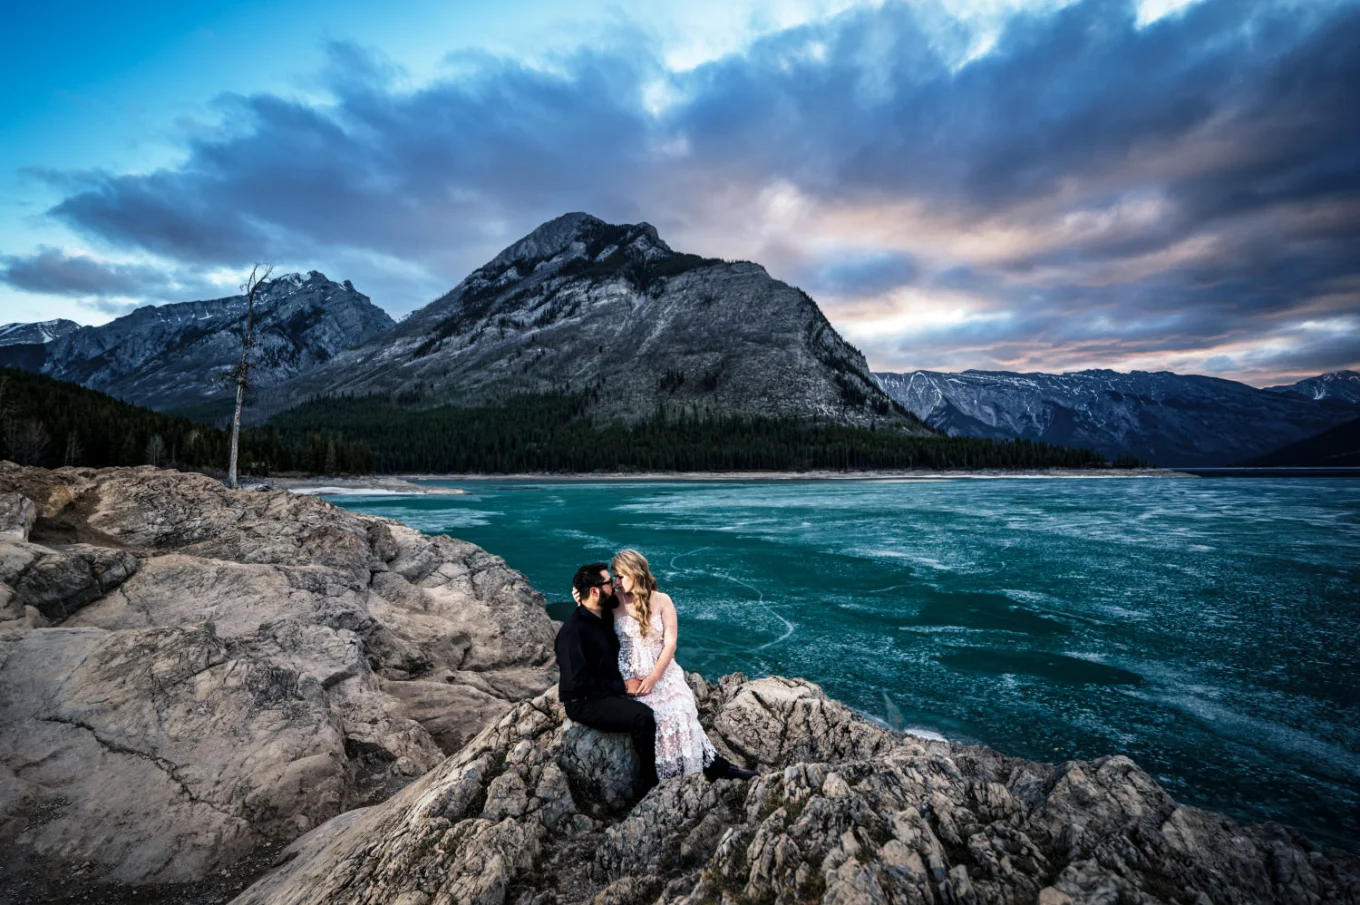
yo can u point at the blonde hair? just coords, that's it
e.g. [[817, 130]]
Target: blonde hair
[[634, 565]]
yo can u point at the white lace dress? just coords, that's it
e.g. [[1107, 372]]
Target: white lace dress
[[681, 745]]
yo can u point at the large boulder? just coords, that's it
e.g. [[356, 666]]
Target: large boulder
[[601, 767], [190, 674], [845, 811]]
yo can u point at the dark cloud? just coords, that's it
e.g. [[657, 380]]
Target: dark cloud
[[50, 271], [1182, 185]]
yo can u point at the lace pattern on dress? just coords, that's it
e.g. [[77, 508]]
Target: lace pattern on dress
[[682, 747]]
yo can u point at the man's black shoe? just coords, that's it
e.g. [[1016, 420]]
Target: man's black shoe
[[725, 769]]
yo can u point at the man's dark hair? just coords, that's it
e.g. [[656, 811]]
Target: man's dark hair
[[587, 577]]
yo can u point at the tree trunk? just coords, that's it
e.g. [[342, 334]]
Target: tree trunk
[[252, 284], [235, 434]]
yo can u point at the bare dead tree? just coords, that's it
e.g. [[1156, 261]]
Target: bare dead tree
[[28, 441], [74, 450], [155, 450], [242, 373]]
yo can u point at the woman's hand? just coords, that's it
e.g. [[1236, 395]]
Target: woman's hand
[[647, 685], [631, 686], [576, 595]]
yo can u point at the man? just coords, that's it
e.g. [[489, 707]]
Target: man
[[591, 686]]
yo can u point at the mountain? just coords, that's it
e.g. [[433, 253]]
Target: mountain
[[24, 345], [174, 356], [45, 332], [1343, 386], [611, 311], [1338, 447], [1168, 419]]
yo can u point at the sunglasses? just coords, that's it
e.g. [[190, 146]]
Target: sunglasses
[[600, 584]]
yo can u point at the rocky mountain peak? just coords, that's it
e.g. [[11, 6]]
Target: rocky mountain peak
[[571, 236], [610, 310]]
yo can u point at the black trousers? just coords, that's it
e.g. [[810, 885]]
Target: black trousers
[[622, 714]]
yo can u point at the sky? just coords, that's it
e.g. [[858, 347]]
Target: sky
[[997, 184]]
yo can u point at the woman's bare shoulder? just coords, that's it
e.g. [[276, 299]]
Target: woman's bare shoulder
[[663, 599]]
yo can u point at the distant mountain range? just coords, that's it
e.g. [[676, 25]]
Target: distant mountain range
[[611, 311], [1168, 419], [174, 356]]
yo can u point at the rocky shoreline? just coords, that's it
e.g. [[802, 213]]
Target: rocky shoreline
[[366, 484], [532, 812], [198, 685], [189, 675]]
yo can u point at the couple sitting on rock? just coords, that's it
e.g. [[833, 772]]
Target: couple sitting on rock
[[616, 652]]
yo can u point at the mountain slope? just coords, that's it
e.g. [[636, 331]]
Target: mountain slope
[[173, 356], [1338, 447], [24, 346], [584, 306], [1168, 419]]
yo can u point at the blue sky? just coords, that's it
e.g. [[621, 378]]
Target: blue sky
[[991, 184]]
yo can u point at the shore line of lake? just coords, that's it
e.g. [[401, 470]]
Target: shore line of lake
[[818, 475]]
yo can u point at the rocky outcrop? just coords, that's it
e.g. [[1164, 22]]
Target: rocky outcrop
[[189, 673], [845, 812]]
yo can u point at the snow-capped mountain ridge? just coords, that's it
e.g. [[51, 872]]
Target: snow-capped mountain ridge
[[1342, 385], [1167, 418], [173, 355], [41, 332]]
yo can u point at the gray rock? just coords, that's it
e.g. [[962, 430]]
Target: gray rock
[[188, 673], [844, 812], [601, 766], [17, 515]]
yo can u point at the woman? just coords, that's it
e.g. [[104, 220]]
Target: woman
[[646, 625]]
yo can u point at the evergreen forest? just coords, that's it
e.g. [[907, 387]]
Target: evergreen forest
[[49, 422], [555, 433]]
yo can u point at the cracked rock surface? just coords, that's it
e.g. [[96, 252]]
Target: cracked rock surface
[[188, 674], [844, 813]]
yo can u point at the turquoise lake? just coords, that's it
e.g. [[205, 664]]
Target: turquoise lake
[[1207, 628]]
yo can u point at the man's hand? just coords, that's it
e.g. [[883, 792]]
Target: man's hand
[[632, 686], [647, 685]]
